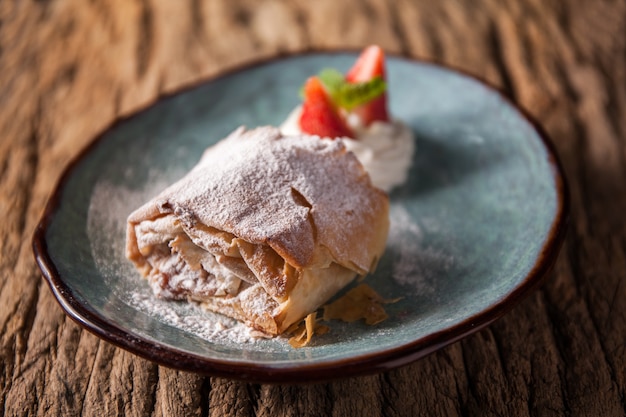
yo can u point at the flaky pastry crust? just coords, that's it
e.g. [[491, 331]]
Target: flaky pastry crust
[[264, 229]]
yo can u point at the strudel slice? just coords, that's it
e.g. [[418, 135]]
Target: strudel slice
[[264, 229]]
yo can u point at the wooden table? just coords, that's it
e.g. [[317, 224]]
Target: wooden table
[[69, 68]]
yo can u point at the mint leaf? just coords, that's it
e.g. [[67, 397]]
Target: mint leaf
[[332, 80], [351, 95]]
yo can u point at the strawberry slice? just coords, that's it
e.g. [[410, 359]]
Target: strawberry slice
[[319, 115], [370, 64]]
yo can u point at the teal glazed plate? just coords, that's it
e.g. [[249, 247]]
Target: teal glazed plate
[[474, 229]]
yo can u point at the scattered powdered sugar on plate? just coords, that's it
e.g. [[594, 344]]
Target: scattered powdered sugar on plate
[[191, 318], [415, 263], [109, 207]]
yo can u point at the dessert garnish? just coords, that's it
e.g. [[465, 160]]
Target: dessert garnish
[[353, 107], [330, 97]]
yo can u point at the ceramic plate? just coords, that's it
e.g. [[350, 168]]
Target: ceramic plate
[[473, 230]]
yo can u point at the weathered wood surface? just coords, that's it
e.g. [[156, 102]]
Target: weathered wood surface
[[69, 67]]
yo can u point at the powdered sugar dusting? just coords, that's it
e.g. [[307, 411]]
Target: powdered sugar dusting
[[265, 187], [413, 257], [106, 222], [191, 318]]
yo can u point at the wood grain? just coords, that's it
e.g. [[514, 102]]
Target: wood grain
[[70, 67]]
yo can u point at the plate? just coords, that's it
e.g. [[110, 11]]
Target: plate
[[475, 228]]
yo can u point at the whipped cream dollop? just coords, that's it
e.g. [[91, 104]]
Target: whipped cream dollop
[[384, 149]]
